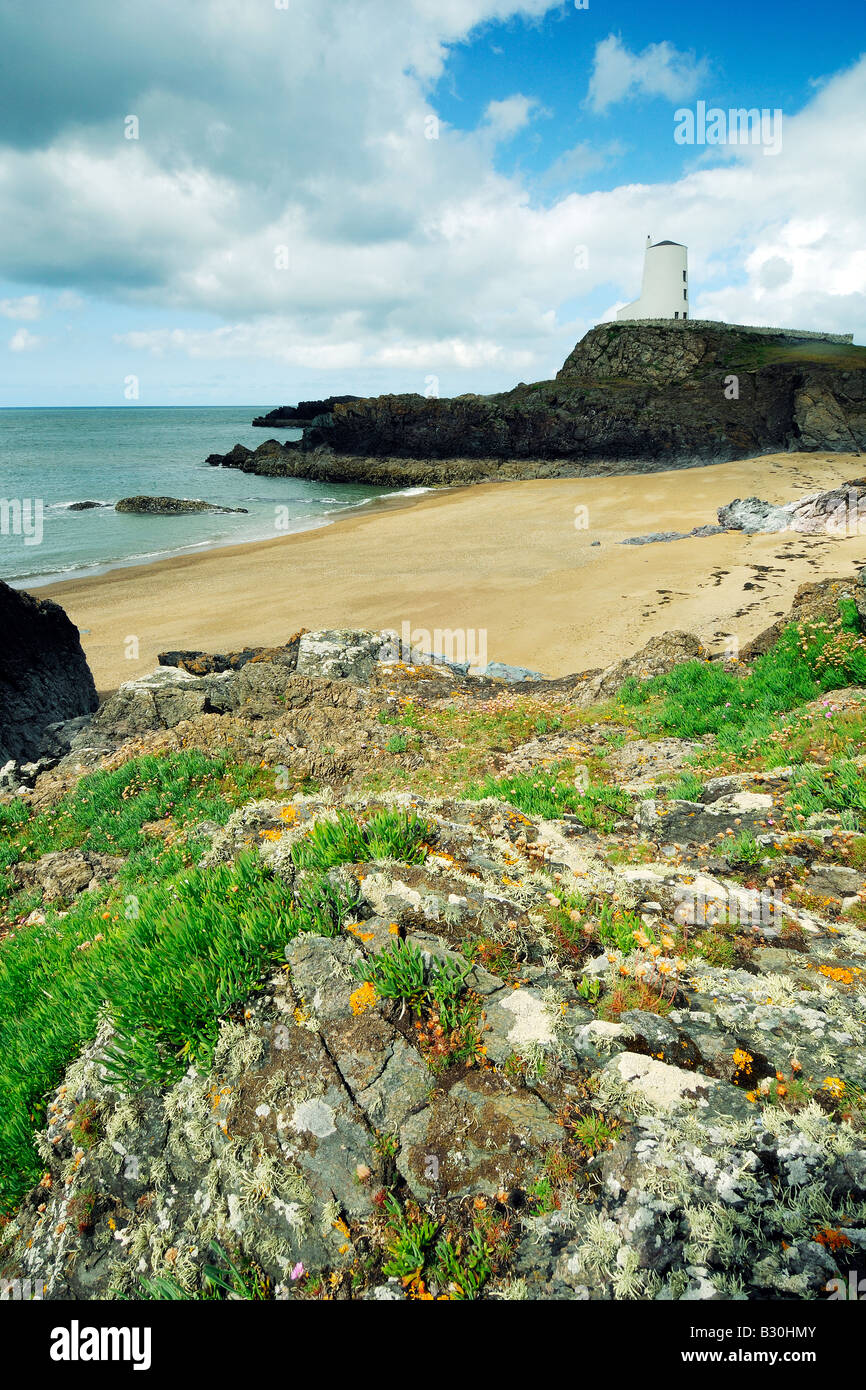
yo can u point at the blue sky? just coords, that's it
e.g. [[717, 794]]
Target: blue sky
[[756, 55], [284, 226]]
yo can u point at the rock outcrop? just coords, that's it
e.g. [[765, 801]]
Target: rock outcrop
[[304, 413], [169, 506], [44, 676], [815, 602], [434, 1042], [630, 398], [587, 1158], [839, 511], [206, 663]]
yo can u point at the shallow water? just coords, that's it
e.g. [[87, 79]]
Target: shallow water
[[52, 457]]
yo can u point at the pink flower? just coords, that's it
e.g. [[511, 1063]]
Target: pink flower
[[298, 1270]]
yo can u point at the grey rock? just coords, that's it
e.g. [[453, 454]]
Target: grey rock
[[484, 1136], [708, 530], [403, 1086], [834, 512], [63, 874], [837, 880], [667, 1088], [597, 968], [519, 1022], [640, 762], [497, 670], [58, 738], [344, 654], [692, 822]]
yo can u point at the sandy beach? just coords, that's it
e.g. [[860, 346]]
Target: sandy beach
[[505, 561]]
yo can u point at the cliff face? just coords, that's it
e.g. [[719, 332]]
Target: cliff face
[[44, 676], [642, 395]]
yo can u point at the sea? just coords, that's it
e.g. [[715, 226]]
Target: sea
[[51, 458]]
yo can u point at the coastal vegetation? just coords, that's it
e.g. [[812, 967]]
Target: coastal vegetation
[[448, 914]]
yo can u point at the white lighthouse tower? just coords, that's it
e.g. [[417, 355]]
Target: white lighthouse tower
[[664, 291]]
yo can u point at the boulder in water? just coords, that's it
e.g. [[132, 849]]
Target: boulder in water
[[169, 506]]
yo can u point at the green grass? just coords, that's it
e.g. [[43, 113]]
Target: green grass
[[688, 787], [388, 834], [750, 354], [493, 727], [698, 698], [460, 1264], [198, 946], [464, 1264], [106, 810], [838, 789], [448, 1013], [409, 1240], [400, 972], [546, 794], [617, 927], [167, 949], [857, 853], [744, 849]]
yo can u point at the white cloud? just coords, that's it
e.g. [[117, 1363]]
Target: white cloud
[[276, 339], [500, 265], [506, 118], [26, 307], [23, 341], [659, 71], [68, 302], [582, 159], [406, 254]]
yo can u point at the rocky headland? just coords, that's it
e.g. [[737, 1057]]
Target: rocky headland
[[383, 981], [631, 397], [304, 413]]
